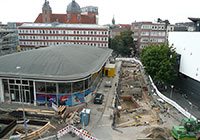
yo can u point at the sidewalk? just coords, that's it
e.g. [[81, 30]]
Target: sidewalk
[[179, 99]]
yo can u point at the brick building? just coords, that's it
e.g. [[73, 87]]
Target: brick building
[[146, 33], [74, 14], [34, 35]]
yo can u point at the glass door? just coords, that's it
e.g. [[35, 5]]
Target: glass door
[[25, 96]]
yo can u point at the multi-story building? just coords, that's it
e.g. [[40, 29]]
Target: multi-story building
[[34, 35], [146, 33], [74, 14]]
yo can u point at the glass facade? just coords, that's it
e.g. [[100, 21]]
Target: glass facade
[[46, 93], [16, 90]]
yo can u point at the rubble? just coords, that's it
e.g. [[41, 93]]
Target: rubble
[[157, 132]]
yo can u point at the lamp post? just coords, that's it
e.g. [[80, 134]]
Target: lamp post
[[24, 117], [172, 86]]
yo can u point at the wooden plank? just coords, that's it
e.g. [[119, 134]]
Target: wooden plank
[[37, 133]]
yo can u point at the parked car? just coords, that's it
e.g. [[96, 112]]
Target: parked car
[[98, 99]]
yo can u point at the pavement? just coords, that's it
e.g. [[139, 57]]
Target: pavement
[[183, 102]]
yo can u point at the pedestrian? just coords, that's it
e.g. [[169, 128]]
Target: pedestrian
[[168, 112]]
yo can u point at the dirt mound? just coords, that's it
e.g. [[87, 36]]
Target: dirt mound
[[157, 132]]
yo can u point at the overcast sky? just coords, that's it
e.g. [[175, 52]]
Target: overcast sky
[[124, 11]]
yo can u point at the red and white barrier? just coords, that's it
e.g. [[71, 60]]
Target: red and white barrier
[[80, 133]]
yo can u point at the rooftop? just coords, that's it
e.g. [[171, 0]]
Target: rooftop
[[65, 62], [58, 25]]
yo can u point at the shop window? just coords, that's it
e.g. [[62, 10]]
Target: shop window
[[51, 87], [77, 86], [86, 83], [64, 87], [40, 87]]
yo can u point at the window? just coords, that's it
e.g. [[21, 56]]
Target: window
[[144, 33], [40, 86], [144, 39], [51, 87], [136, 33], [64, 87], [160, 40], [154, 33], [136, 26], [153, 40], [143, 46], [146, 27]]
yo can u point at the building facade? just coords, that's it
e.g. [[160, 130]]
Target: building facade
[[187, 45], [46, 34], [65, 76], [74, 14], [146, 33]]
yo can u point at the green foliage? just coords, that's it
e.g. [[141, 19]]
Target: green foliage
[[160, 61], [121, 44]]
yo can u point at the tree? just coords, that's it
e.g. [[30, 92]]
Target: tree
[[159, 62], [123, 44]]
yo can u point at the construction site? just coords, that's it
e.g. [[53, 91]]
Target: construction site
[[137, 104], [137, 111], [134, 107]]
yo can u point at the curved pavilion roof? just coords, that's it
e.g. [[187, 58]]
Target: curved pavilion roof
[[64, 62]]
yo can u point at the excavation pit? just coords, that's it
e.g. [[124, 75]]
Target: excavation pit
[[14, 127]]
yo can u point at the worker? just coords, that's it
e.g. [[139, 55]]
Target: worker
[[168, 112], [137, 118], [166, 107], [153, 105]]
